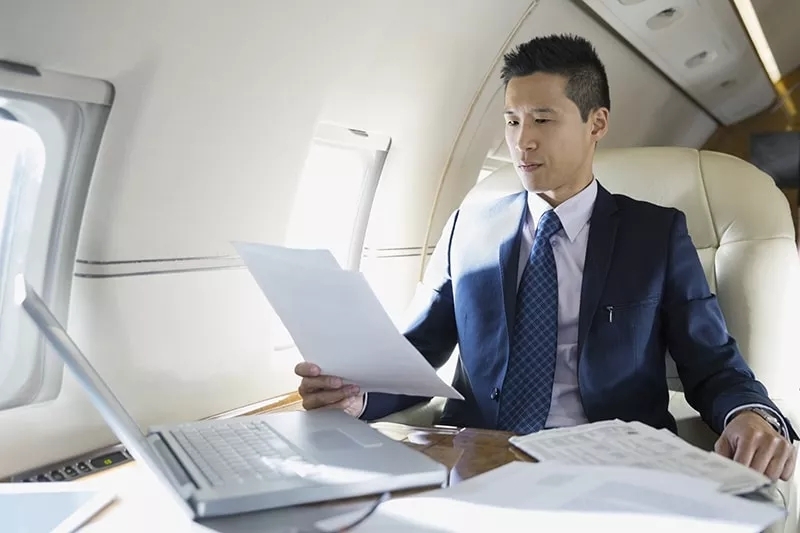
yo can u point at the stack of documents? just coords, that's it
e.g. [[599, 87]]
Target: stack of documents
[[614, 442], [557, 497], [338, 323]]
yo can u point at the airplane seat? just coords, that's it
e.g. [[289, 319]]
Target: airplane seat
[[742, 228]]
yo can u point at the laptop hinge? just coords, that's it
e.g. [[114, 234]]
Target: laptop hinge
[[177, 475]]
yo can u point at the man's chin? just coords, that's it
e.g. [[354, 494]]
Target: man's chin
[[534, 184]]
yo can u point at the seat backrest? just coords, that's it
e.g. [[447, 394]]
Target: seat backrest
[[742, 228]]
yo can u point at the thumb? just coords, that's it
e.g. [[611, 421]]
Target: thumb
[[724, 448]]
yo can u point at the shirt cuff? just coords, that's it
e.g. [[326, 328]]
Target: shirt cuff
[[784, 429], [363, 407]]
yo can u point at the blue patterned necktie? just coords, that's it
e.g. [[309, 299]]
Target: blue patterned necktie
[[528, 385]]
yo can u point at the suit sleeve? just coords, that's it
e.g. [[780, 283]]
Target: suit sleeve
[[716, 379], [431, 325]]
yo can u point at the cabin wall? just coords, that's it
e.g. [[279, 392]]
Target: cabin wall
[[735, 139], [212, 118]]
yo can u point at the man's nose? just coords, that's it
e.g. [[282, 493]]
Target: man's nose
[[526, 139]]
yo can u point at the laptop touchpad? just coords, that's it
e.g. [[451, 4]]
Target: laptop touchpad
[[336, 439]]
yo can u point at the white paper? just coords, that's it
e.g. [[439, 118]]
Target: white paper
[[51, 507], [615, 442], [338, 323], [557, 497]]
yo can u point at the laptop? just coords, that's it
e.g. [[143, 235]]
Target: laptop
[[251, 463]]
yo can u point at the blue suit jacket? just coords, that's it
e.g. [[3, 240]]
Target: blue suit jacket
[[641, 266]]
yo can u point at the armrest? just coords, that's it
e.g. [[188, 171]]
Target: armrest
[[424, 414], [691, 427]]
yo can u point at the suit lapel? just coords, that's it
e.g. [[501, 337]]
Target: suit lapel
[[509, 225], [600, 247]]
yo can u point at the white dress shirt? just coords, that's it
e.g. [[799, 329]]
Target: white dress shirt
[[569, 249]]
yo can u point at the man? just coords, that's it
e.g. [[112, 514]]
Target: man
[[564, 299]]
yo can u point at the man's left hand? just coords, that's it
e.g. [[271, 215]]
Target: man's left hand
[[752, 441]]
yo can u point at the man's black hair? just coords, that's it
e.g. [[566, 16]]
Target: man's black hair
[[566, 55]]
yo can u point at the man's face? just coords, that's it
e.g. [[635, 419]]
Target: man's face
[[552, 147]]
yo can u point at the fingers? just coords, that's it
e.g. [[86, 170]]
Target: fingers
[[780, 464], [307, 370], [767, 449], [723, 447], [771, 455], [351, 405], [745, 450], [318, 390], [788, 468], [315, 400], [308, 385]]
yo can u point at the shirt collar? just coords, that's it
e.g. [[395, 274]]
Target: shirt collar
[[573, 214]]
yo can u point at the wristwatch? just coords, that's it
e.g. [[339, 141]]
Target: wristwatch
[[769, 417]]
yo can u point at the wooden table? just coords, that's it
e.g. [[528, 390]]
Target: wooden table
[[144, 505], [466, 452]]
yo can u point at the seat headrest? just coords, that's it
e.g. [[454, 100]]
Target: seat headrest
[[725, 199]]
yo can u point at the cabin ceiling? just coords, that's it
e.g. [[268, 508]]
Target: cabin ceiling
[[701, 46], [780, 20]]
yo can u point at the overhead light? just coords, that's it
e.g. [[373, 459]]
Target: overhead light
[[700, 59], [753, 27], [756, 33], [664, 18]]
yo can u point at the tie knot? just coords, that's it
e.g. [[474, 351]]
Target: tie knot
[[549, 225]]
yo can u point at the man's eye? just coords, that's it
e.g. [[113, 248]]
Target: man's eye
[[542, 120], [511, 123]]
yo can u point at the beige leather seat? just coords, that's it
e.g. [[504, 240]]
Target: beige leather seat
[[742, 228]]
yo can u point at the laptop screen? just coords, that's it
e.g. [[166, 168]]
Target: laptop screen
[[112, 411]]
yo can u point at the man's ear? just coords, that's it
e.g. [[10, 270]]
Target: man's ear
[[599, 121]]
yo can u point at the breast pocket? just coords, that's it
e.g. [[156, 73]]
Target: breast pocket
[[625, 328]]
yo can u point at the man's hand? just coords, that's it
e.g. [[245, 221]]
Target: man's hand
[[327, 391], [752, 441]]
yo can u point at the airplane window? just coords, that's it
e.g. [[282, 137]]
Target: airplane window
[[22, 163], [483, 173], [334, 198], [326, 205], [48, 146], [490, 164]]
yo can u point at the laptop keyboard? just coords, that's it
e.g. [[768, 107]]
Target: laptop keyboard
[[240, 452]]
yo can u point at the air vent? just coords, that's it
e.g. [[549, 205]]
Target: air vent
[[727, 84], [702, 58], [664, 18], [630, 2]]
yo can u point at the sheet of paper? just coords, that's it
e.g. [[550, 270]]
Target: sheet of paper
[[338, 323], [48, 507], [635, 444], [558, 497]]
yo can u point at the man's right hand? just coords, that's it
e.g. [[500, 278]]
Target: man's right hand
[[318, 391]]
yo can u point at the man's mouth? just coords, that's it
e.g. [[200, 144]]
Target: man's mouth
[[529, 167]]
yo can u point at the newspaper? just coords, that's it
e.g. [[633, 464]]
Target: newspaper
[[614, 442]]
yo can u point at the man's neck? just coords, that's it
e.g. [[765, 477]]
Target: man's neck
[[558, 196]]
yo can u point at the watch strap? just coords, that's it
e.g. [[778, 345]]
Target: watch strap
[[769, 417]]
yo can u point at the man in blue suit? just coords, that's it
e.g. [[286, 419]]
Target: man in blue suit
[[564, 299]]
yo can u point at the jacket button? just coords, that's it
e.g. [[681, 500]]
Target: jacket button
[[495, 394]]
